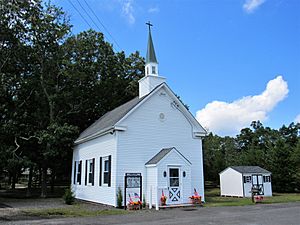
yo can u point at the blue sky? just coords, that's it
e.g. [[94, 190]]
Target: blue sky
[[231, 61]]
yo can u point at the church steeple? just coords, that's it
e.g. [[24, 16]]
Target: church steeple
[[151, 67], [151, 57], [151, 79]]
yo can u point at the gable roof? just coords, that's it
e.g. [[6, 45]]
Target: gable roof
[[109, 119], [249, 169], [161, 154]]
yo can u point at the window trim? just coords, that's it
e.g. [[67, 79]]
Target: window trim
[[247, 179], [90, 172], [104, 159], [105, 172]]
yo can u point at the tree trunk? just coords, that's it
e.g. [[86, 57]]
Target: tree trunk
[[14, 180], [52, 181], [29, 184], [44, 182]]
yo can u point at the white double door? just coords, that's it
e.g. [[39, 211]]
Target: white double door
[[257, 182], [174, 185]]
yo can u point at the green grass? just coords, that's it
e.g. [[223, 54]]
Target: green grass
[[72, 211], [212, 197]]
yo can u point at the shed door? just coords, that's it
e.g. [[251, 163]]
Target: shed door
[[257, 182], [174, 186]]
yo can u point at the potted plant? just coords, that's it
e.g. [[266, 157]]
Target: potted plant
[[196, 200], [163, 199]]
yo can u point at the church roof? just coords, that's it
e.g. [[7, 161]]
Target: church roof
[[249, 169], [150, 57], [109, 119]]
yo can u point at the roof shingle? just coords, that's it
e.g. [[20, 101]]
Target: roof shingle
[[249, 169]]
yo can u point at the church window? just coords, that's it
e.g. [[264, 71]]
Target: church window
[[153, 70], [89, 171], [105, 171]]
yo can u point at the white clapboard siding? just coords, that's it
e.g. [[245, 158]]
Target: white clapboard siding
[[146, 134], [100, 147]]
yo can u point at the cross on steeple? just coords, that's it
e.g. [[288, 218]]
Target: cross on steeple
[[149, 24]]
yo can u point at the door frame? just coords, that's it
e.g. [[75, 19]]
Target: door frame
[[258, 183], [179, 185]]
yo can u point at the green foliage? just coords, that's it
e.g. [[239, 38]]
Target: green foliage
[[119, 198], [275, 150], [54, 85], [144, 201], [69, 197], [72, 211]]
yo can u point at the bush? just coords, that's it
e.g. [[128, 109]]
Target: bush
[[119, 198], [69, 196], [144, 201]]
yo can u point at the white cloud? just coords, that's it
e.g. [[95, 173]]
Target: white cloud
[[226, 118], [251, 5], [128, 11], [297, 119], [153, 10]]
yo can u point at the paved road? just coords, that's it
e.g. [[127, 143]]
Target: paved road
[[275, 214]]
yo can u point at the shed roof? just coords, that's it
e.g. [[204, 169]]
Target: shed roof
[[161, 154], [249, 169], [109, 119]]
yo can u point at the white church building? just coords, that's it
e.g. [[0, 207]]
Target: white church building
[[152, 135]]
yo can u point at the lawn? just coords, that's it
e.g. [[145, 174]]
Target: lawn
[[213, 198], [72, 211]]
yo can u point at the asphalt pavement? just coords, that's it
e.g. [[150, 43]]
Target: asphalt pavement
[[260, 214]]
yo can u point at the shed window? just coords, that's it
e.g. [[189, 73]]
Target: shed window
[[247, 179], [267, 179]]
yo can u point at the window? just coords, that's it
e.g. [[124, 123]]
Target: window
[[247, 179], [89, 171], [267, 179], [105, 171], [78, 175], [174, 177], [153, 70], [147, 70]]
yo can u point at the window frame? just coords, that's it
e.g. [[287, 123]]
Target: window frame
[[247, 179], [90, 171], [78, 172], [105, 172], [153, 69], [174, 177]]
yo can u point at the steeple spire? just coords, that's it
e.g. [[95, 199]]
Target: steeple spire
[[150, 57], [151, 78]]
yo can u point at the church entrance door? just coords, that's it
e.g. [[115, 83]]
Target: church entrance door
[[174, 186]]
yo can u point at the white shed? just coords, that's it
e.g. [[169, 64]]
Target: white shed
[[238, 181]]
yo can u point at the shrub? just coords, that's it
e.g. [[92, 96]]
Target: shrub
[[69, 196], [119, 198], [144, 201]]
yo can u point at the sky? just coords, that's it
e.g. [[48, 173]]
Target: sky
[[231, 61]]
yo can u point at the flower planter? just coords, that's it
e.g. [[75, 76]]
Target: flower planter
[[133, 206], [258, 198], [196, 200]]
